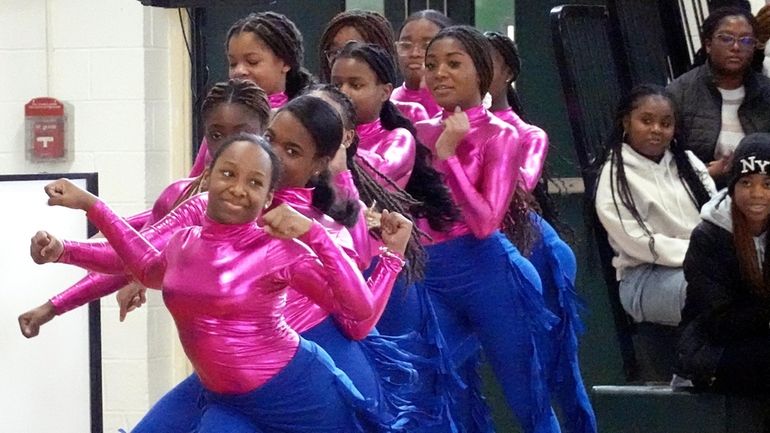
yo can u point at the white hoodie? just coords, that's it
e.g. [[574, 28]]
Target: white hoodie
[[663, 204]]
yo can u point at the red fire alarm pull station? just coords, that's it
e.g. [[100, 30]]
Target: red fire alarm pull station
[[45, 121]]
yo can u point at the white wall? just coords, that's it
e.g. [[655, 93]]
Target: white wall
[[119, 70]]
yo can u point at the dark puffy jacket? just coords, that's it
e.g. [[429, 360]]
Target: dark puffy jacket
[[700, 108], [719, 309]]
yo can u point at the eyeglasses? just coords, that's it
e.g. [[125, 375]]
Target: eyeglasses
[[331, 54], [744, 43], [406, 47]]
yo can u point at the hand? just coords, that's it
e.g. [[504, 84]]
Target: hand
[[62, 192], [45, 248], [720, 166], [31, 321], [456, 126], [396, 230], [285, 222], [130, 298]]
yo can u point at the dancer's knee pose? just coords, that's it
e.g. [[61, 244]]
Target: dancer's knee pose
[[306, 134], [478, 283], [225, 285]]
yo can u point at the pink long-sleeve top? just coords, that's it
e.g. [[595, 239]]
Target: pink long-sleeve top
[[392, 152], [535, 143], [276, 101], [168, 197], [421, 96], [302, 313], [225, 285], [412, 111], [480, 176]]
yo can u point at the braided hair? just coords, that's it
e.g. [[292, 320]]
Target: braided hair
[[478, 49], [425, 184], [432, 15], [373, 26], [324, 125], [283, 37], [236, 91], [612, 154], [371, 191], [510, 54]]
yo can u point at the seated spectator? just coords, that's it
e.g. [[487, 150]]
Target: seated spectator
[[648, 198], [724, 98], [725, 343]]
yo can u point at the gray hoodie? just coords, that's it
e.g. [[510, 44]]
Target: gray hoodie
[[717, 211]]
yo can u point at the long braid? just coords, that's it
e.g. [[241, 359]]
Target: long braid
[[510, 54], [612, 154], [235, 91], [371, 191], [425, 183], [284, 39], [372, 26], [324, 124]]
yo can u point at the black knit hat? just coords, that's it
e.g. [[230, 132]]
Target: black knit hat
[[751, 156]]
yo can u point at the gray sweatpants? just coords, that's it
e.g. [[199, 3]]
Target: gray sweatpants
[[653, 293]]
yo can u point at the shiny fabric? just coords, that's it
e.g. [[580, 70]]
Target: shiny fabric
[[168, 197], [276, 101], [535, 143], [482, 174], [421, 96], [225, 287], [301, 312], [411, 110], [310, 395], [392, 153]]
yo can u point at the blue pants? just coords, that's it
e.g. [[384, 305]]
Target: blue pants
[[484, 290], [180, 409], [308, 395], [555, 263]]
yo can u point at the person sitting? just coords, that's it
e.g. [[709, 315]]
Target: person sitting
[[650, 191], [725, 342]]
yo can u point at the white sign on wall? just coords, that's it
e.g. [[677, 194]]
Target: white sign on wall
[[47, 382]]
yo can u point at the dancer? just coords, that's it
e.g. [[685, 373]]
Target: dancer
[[362, 26], [540, 243], [265, 48], [478, 283], [416, 32], [257, 372]]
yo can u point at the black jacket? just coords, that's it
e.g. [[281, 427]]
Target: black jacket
[[700, 108], [719, 309]]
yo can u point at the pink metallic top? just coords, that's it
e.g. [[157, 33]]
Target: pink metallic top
[[535, 143], [412, 111], [421, 96], [225, 285], [166, 200], [276, 101], [301, 312], [481, 175], [392, 153]]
